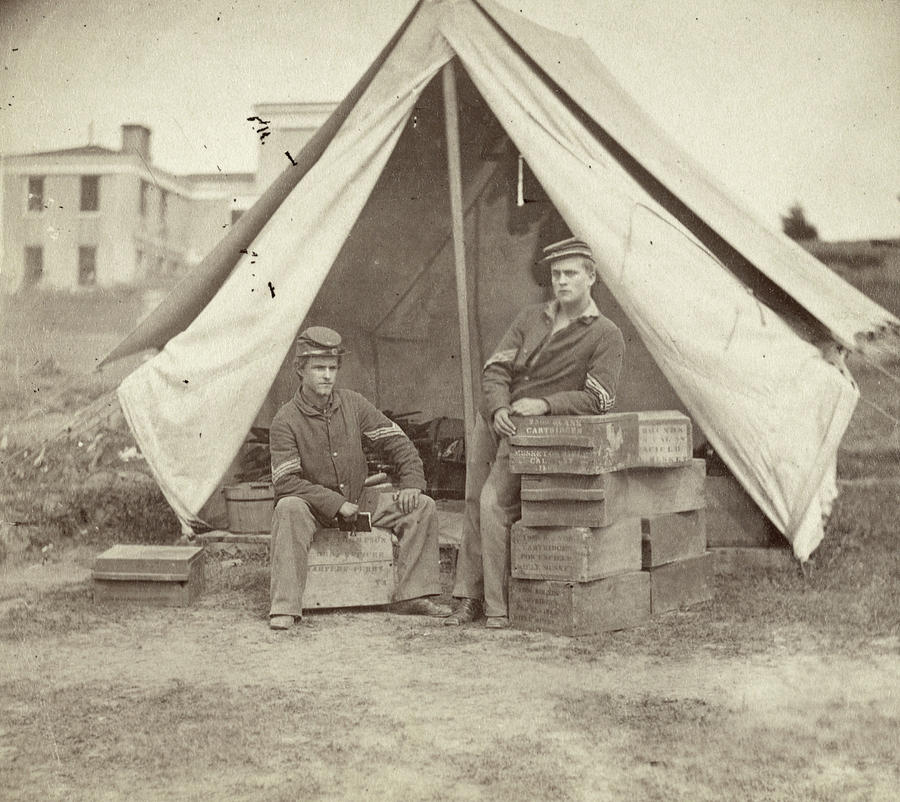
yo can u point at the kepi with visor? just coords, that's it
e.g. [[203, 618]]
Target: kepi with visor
[[319, 341]]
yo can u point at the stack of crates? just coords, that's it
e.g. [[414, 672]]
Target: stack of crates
[[606, 503]]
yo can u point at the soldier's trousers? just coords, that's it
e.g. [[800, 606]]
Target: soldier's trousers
[[293, 528], [492, 505]]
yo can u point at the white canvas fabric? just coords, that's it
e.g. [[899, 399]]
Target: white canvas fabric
[[772, 406], [770, 402]]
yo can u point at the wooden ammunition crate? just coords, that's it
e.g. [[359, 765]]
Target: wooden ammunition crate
[[350, 569], [573, 500], [159, 575], [553, 499], [578, 554], [592, 444], [681, 583], [654, 491], [580, 608], [674, 536]]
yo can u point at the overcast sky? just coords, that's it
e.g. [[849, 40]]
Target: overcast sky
[[783, 100]]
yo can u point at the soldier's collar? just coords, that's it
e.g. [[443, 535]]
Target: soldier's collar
[[552, 307], [311, 409]]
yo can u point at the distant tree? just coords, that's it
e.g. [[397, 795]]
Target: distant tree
[[796, 226]]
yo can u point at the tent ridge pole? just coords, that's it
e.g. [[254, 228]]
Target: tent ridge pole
[[454, 169]]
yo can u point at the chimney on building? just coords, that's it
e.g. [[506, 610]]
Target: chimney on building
[[136, 139]]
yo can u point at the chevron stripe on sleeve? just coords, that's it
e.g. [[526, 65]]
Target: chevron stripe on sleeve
[[605, 401], [288, 466], [384, 431]]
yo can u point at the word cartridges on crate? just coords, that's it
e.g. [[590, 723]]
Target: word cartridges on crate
[[612, 526]]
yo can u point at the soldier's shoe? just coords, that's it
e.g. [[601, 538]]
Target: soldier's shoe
[[422, 605], [497, 622], [467, 610], [281, 621]]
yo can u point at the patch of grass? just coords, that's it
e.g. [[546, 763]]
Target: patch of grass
[[515, 768], [84, 492], [105, 739], [56, 612], [666, 745]]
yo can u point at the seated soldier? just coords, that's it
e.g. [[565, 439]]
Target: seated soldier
[[318, 471]]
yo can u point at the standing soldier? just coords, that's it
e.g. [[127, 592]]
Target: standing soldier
[[560, 358]]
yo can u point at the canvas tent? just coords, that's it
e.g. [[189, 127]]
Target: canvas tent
[[738, 325]]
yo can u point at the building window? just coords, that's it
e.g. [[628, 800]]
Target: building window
[[34, 264], [145, 191], [87, 265], [35, 193], [236, 215], [90, 193]]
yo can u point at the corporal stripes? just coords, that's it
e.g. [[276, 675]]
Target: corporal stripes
[[289, 466], [502, 357], [605, 401], [384, 431]]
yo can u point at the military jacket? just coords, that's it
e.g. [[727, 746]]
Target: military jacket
[[318, 454], [575, 370]]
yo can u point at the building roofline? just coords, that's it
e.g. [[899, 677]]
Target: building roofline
[[81, 150], [218, 177]]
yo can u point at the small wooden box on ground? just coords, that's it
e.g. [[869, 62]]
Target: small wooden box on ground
[[350, 569], [159, 575], [573, 500], [578, 554], [674, 536], [592, 444], [580, 608], [681, 583]]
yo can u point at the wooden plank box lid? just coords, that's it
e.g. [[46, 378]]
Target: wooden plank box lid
[[593, 444], [148, 563]]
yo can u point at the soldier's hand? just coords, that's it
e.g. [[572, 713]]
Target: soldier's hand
[[530, 406], [503, 424], [407, 499], [348, 510]]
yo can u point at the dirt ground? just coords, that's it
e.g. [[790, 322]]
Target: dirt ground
[[369, 705], [784, 687]]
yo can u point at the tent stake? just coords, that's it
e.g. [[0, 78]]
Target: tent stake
[[454, 169]]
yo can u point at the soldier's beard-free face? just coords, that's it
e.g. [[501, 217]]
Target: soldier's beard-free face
[[318, 374], [572, 280]]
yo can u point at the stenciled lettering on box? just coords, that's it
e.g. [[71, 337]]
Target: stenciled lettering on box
[[663, 442]]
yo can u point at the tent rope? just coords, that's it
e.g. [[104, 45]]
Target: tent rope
[[891, 376], [895, 421]]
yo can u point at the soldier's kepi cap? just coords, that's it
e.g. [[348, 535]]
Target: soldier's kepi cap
[[567, 247], [319, 341]]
